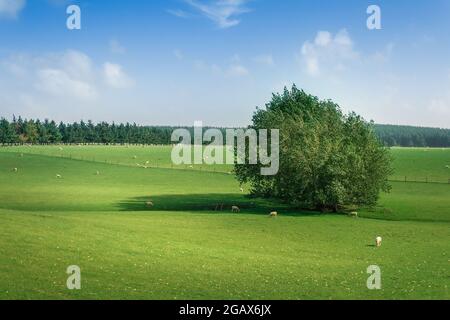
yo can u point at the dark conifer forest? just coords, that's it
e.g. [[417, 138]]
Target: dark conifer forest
[[30, 131]]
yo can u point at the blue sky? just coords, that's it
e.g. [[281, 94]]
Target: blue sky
[[178, 61]]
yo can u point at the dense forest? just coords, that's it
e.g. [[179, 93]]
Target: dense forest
[[23, 131], [408, 136]]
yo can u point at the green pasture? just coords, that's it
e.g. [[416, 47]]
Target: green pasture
[[190, 246]]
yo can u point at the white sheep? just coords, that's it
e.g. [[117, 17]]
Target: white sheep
[[378, 241], [15, 170], [353, 214], [273, 214], [235, 209], [149, 204], [58, 176]]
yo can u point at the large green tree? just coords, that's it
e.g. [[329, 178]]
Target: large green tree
[[328, 160]]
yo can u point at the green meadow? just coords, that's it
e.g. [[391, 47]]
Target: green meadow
[[184, 247]]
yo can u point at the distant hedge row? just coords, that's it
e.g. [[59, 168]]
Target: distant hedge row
[[23, 131]]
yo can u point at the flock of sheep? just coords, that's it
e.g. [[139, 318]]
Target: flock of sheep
[[234, 209]]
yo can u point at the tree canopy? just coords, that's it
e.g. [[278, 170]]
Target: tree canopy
[[327, 159]]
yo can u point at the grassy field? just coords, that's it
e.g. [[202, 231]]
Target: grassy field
[[184, 249]]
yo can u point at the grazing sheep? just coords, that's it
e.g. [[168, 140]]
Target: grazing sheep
[[149, 204], [273, 214], [378, 241], [58, 176], [353, 214], [235, 209], [15, 170]]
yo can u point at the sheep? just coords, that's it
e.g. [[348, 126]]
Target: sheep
[[235, 209], [149, 204], [58, 176], [353, 214], [273, 214], [378, 241], [15, 170]]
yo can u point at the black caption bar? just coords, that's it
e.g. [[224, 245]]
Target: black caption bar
[[215, 309]]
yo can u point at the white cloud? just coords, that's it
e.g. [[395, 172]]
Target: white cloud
[[115, 76], [237, 70], [116, 47], [68, 74], [265, 59], [328, 53], [11, 8], [224, 13], [59, 83]]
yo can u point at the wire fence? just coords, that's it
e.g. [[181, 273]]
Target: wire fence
[[222, 169], [420, 179]]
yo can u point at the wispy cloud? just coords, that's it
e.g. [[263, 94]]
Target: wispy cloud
[[178, 13], [232, 69], [265, 59], [224, 13], [11, 8]]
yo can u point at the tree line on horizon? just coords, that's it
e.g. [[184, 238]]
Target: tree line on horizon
[[23, 131]]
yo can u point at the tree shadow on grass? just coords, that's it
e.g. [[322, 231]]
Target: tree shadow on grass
[[210, 203]]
